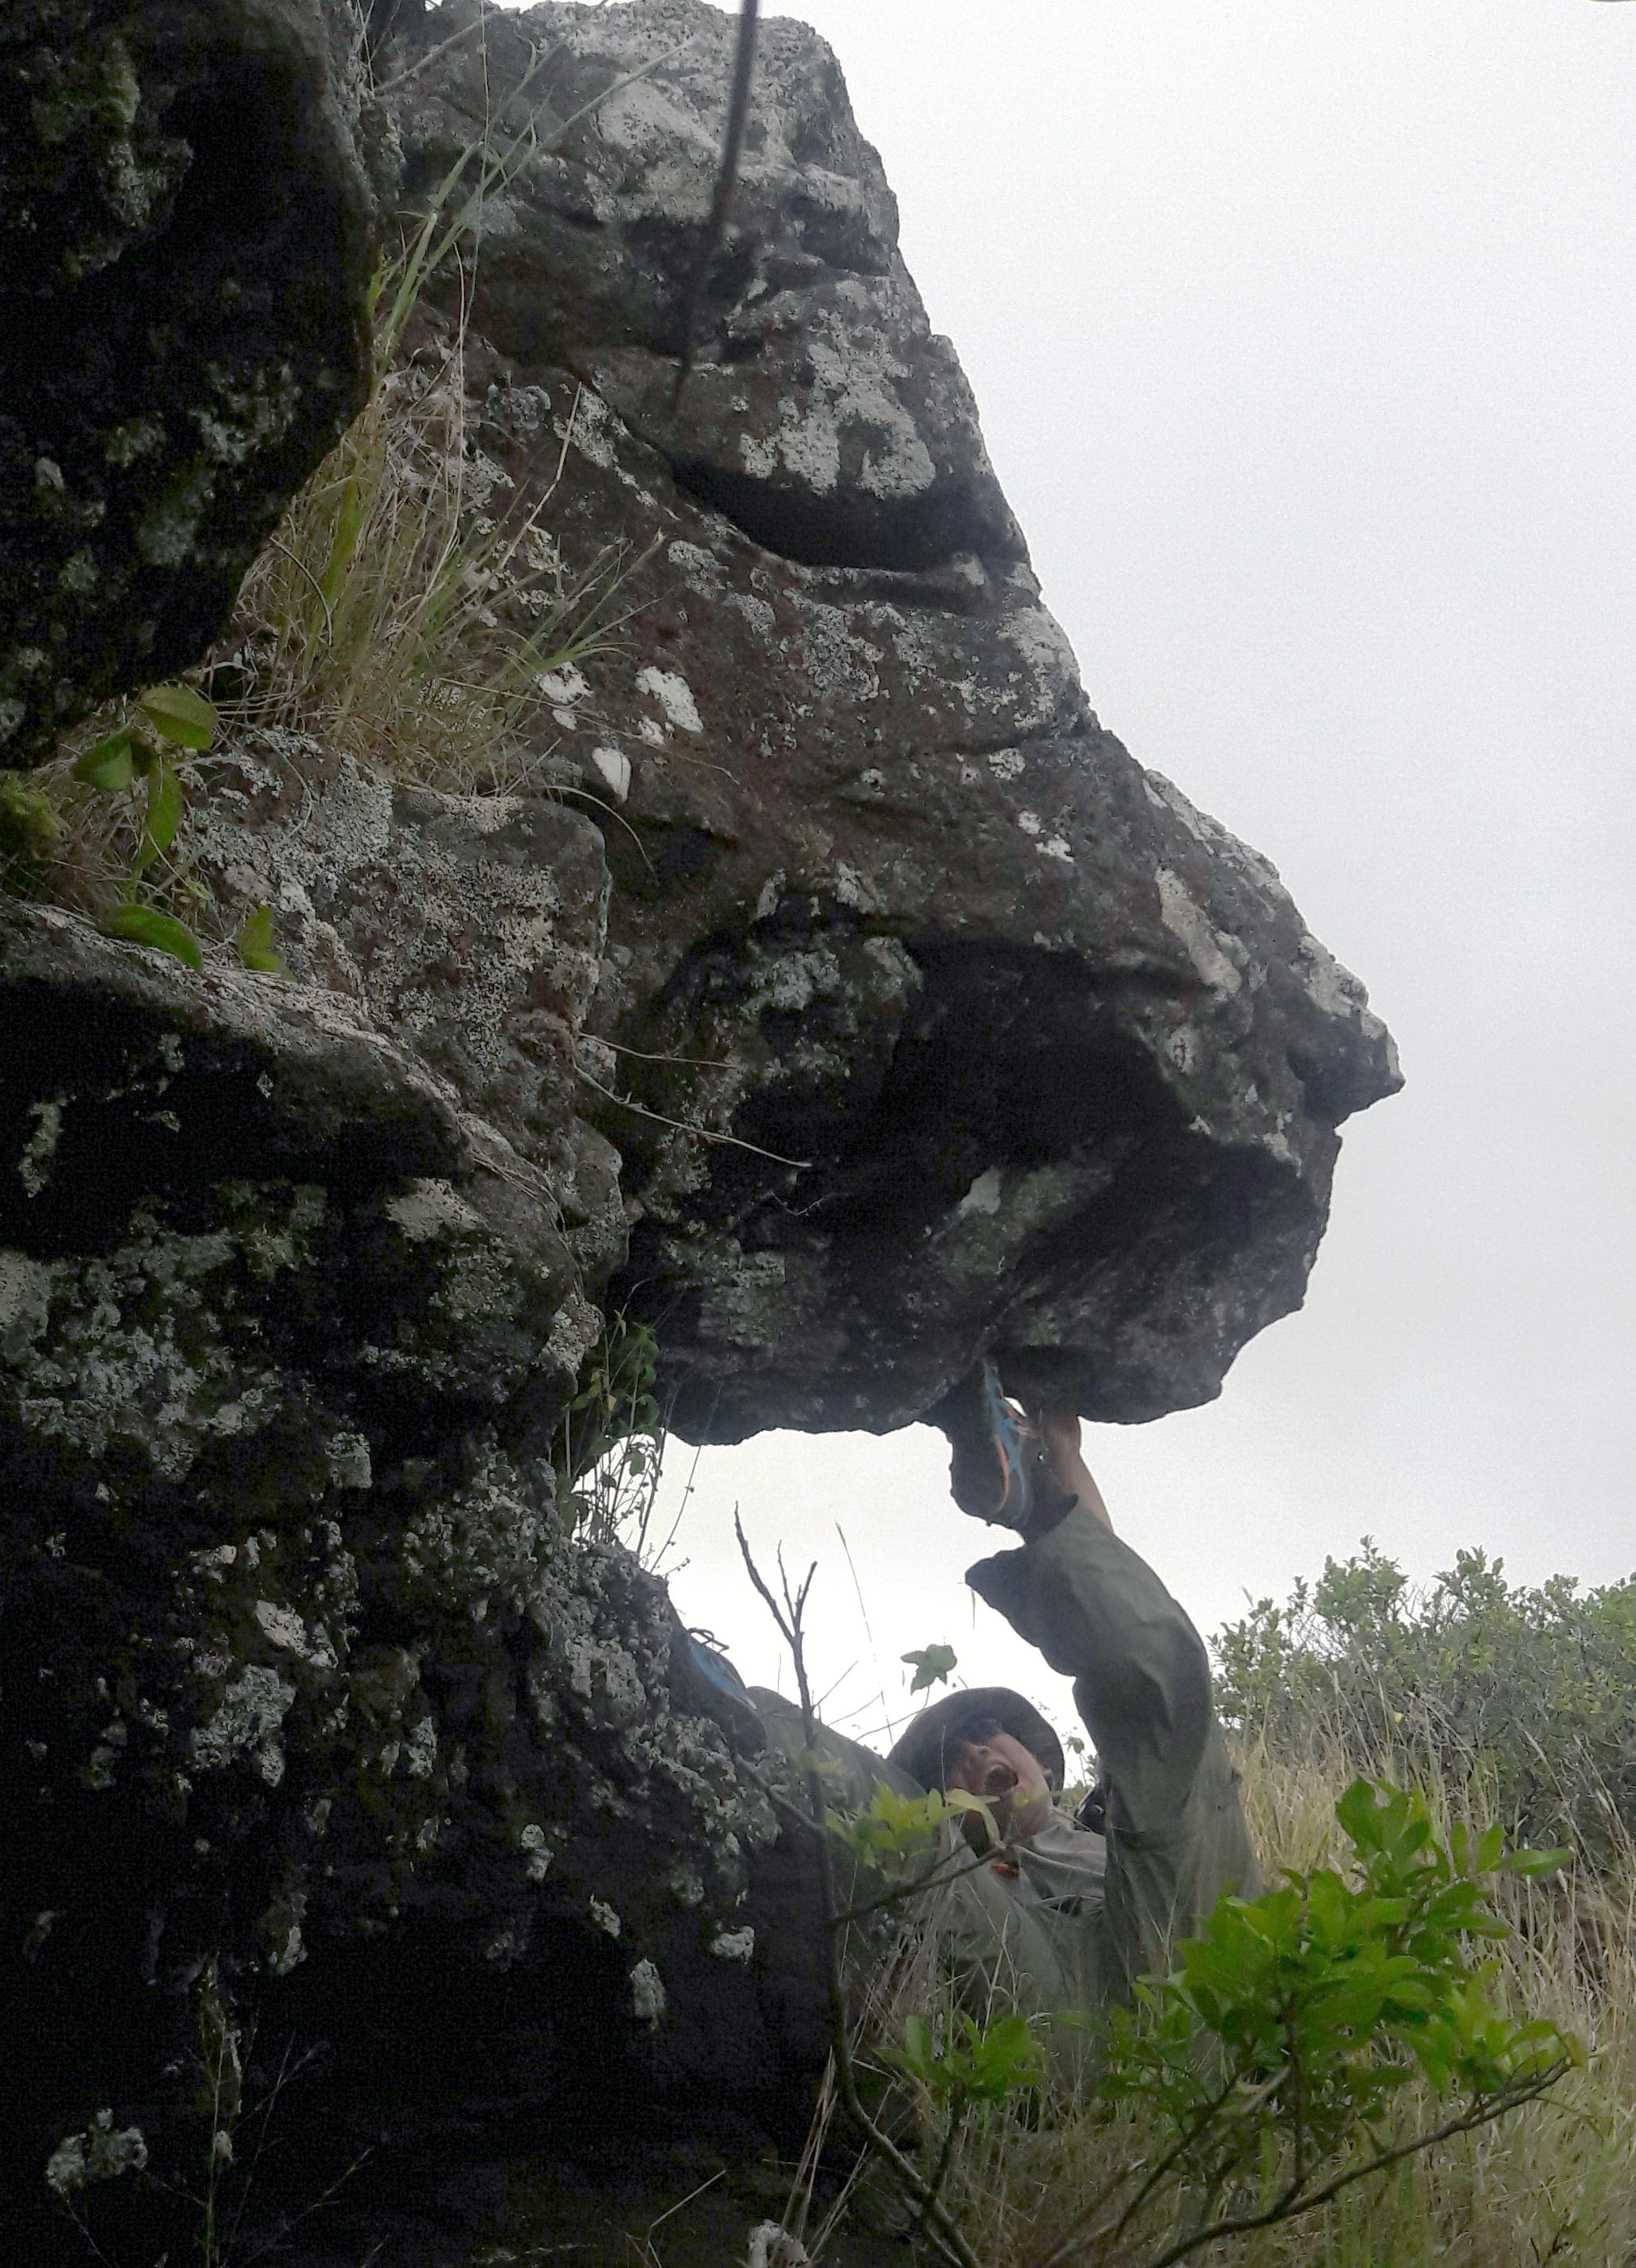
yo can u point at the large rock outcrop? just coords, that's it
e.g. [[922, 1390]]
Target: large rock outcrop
[[1061, 1063], [834, 992]]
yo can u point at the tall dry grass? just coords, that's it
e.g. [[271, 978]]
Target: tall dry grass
[[401, 611], [1555, 2182], [407, 606]]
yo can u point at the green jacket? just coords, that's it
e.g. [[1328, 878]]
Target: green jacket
[[1067, 1918]]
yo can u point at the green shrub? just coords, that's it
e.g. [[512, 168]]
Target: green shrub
[[1527, 1693]]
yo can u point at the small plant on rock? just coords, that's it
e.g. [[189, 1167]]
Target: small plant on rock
[[610, 1441]]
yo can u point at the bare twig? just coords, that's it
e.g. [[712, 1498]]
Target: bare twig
[[704, 1133], [727, 181], [789, 1616]]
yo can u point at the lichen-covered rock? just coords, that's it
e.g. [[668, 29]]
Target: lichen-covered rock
[[186, 241], [298, 1647], [1014, 1050], [841, 997]]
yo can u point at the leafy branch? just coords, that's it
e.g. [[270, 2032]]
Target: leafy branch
[[1279, 2053]]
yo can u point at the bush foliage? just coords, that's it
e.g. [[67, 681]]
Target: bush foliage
[[1530, 1693]]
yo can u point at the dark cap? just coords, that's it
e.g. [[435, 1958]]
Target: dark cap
[[937, 1731]]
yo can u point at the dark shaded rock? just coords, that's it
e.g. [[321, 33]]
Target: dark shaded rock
[[185, 238], [298, 1651]]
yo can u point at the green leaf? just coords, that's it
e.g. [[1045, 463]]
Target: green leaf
[[1533, 1862], [932, 1665], [109, 765], [146, 925], [254, 942], [181, 716], [164, 816], [961, 1799]]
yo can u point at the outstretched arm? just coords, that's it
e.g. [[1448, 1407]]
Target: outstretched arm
[[1060, 1437], [1141, 1681], [1100, 1615]]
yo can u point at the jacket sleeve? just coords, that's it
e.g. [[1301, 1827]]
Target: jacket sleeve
[[1177, 1837], [1099, 1614]]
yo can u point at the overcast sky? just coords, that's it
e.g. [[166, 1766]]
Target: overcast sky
[[1304, 334]]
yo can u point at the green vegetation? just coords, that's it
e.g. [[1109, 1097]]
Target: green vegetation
[[610, 1442], [1487, 2178], [391, 614], [1310, 2041], [166, 726], [1528, 1694], [1418, 2046]]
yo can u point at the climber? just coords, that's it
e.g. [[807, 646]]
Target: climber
[[1068, 1910], [1071, 1910]]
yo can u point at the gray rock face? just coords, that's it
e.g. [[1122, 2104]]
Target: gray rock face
[[1060, 1063], [186, 231], [299, 1654], [841, 997]]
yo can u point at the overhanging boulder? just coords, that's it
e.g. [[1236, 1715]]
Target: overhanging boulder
[[947, 1029]]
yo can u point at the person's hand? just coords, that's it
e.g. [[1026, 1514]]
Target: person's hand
[[1059, 1431], [1056, 1426]]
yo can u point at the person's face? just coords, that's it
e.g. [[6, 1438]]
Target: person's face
[[1012, 1779]]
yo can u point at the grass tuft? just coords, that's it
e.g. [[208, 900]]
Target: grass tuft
[[395, 615]]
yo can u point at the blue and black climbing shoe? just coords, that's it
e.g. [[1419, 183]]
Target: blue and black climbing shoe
[[994, 1451]]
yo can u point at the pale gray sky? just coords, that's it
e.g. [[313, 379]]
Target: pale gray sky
[[1304, 337]]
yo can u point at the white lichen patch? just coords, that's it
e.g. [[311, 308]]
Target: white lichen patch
[[433, 1208], [853, 406], [699, 568], [734, 1944], [247, 1726], [34, 1165], [102, 2152], [348, 1458], [983, 1196], [284, 1628], [757, 613], [563, 686], [851, 888], [614, 767], [1048, 685], [592, 429], [1189, 922], [25, 1286], [573, 1332], [647, 1994], [120, 1347], [604, 1918], [241, 420], [168, 532], [835, 659], [675, 697]]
